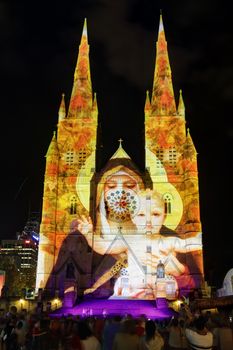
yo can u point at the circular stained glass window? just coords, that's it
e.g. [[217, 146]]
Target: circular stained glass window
[[121, 205]]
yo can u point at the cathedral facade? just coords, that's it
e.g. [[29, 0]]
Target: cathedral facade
[[121, 232]]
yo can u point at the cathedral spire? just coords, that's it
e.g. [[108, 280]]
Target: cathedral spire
[[53, 148], [181, 106], [147, 107], [163, 101], [62, 109], [189, 141], [95, 105], [81, 97]]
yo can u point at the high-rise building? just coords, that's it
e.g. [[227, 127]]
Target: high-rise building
[[23, 254], [121, 232], [31, 229]]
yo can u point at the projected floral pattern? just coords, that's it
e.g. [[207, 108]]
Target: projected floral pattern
[[123, 205]]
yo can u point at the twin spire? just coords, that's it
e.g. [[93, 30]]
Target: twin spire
[[162, 100]]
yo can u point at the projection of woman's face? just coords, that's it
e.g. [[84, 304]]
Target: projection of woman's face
[[120, 197]]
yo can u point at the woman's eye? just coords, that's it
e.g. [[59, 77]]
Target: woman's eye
[[111, 185], [130, 185], [141, 214], [156, 214]]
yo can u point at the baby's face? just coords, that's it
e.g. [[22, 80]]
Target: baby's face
[[150, 216]]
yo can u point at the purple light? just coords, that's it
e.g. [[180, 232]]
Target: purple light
[[103, 307]]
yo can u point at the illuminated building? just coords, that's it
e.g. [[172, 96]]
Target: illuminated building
[[31, 229], [138, 220], [23, 253]]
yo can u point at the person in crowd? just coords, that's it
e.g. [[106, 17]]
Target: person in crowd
[[88, 340], [75, 342], [126, 338], [111, 327], [40, 334], [140, 325], [9, 337], [199, 337], [152, 339], [225, 334], [54, 333], [175, 335], [21, 333], [184, 343]]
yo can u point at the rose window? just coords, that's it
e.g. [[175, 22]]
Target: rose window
[[122, 205]]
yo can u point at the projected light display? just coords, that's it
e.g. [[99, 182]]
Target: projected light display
[[121, 232]]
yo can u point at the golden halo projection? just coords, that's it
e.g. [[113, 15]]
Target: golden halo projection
[[161, 185]]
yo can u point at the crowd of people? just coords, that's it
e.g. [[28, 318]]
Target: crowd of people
[[189, 329]]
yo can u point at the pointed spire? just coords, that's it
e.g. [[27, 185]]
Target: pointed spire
[[161, 27], [189, 162], [81, 97], [53, 148], [62, 109], [147, 103], [120, 152], [82, 70], [163, 101], [189, 141], [181, 107], [95, 105]]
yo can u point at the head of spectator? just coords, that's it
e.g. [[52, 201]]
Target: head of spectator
[[200, 323], [150, 329], [128, 326], [84, 330]]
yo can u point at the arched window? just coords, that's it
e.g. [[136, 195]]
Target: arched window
[[167, 203], [69, 157], [172, 156], [73, 205]]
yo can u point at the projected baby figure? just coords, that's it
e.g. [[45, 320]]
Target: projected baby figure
[[153, 244], [163, 242]]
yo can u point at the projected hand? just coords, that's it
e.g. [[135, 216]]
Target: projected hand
[[85, 225], [100, 244], [172, 264]]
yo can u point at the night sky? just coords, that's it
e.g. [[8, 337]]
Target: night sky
[[39, 46]]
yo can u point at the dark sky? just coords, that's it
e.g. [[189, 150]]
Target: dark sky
[[39, 46]]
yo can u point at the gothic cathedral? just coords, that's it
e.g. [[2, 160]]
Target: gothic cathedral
[[120, 232]]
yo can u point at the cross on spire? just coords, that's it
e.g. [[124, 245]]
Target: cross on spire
[[120, 142]]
